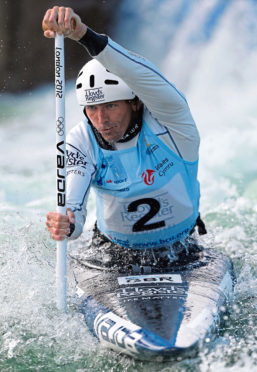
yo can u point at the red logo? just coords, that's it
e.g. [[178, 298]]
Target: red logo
[[148, 176]]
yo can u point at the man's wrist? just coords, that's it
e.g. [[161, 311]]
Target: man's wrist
[[80, 33], [72, 228], [93, 42]]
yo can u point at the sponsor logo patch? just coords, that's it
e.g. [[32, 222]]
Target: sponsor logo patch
[[164, 166], [75, 171], [163, 278], [75, 158], [116, 182], [94, 95], [117, 331], [151, 148], [148, 176], [146, 292]]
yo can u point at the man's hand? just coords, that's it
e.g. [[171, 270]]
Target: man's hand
[[59, 225], [63, 21]]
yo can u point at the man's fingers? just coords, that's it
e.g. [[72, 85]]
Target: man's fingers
[[56, 221], [62, 231], [59, 19], [56, 216], [64, 21], [50, 19], [49, 34], [53, 17], [68, 20], [58, 232], [57, 236], [59, 224], [45, 21]]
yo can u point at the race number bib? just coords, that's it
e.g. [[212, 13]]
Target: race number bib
[[156, 210]]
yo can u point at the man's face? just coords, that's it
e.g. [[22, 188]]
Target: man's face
[[111, 119]]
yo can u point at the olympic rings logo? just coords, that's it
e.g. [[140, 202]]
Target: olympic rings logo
[[60, 126]]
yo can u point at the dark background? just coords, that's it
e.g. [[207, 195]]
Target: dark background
[[26, 56]]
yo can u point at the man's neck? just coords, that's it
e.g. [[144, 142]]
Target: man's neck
[[132, 131]]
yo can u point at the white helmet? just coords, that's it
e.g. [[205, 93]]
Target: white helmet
[[97, 85]]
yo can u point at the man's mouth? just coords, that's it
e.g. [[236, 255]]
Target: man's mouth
[[106, 130]]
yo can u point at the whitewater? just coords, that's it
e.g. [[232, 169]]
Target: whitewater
[[209, 50]]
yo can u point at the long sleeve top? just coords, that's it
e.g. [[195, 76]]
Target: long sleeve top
[[165, 109]]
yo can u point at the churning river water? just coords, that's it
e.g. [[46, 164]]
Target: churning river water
[[209, 50]]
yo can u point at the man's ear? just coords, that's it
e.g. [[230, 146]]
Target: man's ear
[[136, 105]]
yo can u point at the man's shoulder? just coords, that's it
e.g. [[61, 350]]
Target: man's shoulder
[[79, 138], [79, 133], [153, 123], [80, 127]]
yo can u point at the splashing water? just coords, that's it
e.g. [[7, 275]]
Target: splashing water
[[209, 50]]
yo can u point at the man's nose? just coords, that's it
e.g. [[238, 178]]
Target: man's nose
[[102, 116]]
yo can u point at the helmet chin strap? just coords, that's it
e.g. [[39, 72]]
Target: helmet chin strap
[[132, 130], [134, 126]]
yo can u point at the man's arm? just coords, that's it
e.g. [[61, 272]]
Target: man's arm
[[63, 21], [164, 101], [80, 168]]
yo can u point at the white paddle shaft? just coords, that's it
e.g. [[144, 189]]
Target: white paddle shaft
[[61, 167]]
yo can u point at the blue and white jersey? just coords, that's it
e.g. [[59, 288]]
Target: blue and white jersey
[[147, 196], [147, 189]]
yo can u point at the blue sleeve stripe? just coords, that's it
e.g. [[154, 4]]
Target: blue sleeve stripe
[[150, 68], [87, 189], [172, 140], [174, 143], [161, 134]]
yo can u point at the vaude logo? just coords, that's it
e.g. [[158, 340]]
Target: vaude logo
[[61, 185], [94, 95]]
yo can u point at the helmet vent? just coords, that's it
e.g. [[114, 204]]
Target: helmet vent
[[111, 82], [79, 86], [81, 72], [92, 81]]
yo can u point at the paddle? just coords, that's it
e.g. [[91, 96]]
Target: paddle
[[61, 168]]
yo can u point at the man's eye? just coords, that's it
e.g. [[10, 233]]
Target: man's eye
[[111, 105], [91, 108]]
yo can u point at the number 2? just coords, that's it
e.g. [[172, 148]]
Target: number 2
[[140, 225]]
